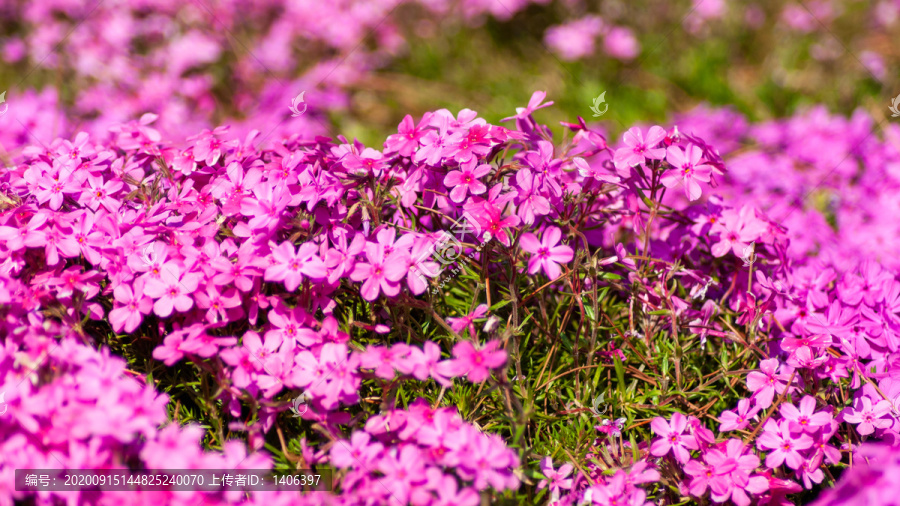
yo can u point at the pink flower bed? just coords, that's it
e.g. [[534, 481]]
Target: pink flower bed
[[302, 269]]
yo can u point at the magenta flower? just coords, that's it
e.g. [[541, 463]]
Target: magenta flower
[[766, 382], [672, 438], [219, 304], [466, 181], [369, 162], [17, 238], [55, 188], [472, 362], [291, 266], [637, 149], [736, 229], [406, 140], [686, 169], [172, 290], [448, 492], [170, 351], [198, 342], [361, 450], [88, 239], [530, 203], [405, 471], [490, 222], [804, 419], [242, 271], [100, 193], [546, 254], [247, 370], [784, 445], [533, 105], [731, 420], [620, 43], [341, 258], [378, 275], [131, 307], [383, 359], [556, 480], [489, 463], [867, 416], [702, 474], [267, 207], [416, 262], [458, 324], [726, 473]]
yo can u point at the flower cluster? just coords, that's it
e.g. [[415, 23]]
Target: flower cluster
[[303, 270]]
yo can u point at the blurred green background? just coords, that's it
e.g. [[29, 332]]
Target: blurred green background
[[764, 71]]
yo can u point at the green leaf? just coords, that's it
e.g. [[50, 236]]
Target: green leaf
[[500, 304], [620, 375]]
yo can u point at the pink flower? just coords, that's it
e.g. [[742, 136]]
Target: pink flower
[[686, 169], [726, 472], [737, 421], [804, 419], [383, 359], [172, 290], [556, 479], [466, 181], [619, 42], [867, 416], [472, 362], [765, 382], [406, 140], [490, 222], [672, 438], [637, 149], [131, 307], [533, 105], [423, 363], [291, 267], [545, 254], [100, 193], [574, 40], [736, 229], [785, 445], [361, 451], [449, 493], [378, 275], [458, 324], [405, 471]]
